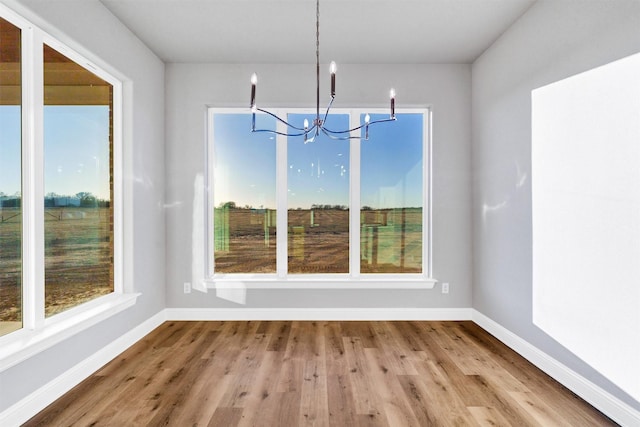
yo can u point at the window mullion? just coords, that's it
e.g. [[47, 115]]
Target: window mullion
[[118, 235], [209, 222], [281, 201], [427, 203], [33, 192], [354, 199]]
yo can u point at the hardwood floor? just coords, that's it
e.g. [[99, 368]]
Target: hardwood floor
[[322, 374]]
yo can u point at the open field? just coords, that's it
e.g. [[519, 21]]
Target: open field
[[10, 269], [318, 241], [78, 259]]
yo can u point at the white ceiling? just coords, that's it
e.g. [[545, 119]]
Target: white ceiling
[[351, 31]]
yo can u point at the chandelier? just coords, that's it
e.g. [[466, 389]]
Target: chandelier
[[310, 132]]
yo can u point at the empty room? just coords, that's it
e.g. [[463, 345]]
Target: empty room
[[200, 226]]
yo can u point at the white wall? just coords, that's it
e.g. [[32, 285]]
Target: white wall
[[447, 88], [585, 162], [92, 30], [552, 41]]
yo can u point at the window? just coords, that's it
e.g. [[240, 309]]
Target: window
[[78, 172], [244, 197], [318, 200], [284, 211], [60, 216], [391, 197], [10, 179]]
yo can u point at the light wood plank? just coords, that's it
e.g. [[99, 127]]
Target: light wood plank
[[487, 417], [321, 374], [397, 410]]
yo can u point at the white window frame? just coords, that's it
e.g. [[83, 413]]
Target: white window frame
[[353, 279], [39, 332]]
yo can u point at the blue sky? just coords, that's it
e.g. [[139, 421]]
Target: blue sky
[[391, 163], [77, 159], [245, 162], [76, 150], [318, 172]]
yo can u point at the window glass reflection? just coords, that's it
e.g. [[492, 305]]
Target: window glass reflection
[[78, 184], [10, 179], [391, 197], [244, 195], [318, 200]]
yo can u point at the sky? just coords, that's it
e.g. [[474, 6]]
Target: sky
[[77, 159], [244, 162], [76, 150], [317, 172], [391, 163]]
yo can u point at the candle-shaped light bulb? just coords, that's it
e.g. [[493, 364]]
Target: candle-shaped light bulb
[[392, 95], [367, 119], [332, 70], [306, 124], [254, 82]]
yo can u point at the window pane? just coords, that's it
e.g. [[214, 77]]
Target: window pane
[[318, 200], [391, 196], [10, 180], [78, 184], [244, 194]]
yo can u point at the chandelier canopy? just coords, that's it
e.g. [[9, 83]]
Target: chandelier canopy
[[310, 132]]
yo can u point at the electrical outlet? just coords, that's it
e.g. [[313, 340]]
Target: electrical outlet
[[187, 287], [445, 288]]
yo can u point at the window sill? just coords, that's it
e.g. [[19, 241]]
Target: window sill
[[322, 282], [19, 346]]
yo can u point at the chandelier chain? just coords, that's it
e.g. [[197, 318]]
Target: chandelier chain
[[317, 119]]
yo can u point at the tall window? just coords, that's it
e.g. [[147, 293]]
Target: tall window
[[318, 200], [323, 210], [78, 183], [10, 179], [59, 217], [391, 197], [244, 196]]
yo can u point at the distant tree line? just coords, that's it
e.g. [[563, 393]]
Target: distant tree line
[[330, 207], [232, 205], [82, 199], [10, 201]]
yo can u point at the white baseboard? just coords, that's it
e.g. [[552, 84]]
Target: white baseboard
[[318, 313], [600, 399], [26, 408]]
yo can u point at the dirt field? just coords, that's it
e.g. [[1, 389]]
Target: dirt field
[[78, 249], [318, 241], [78, 259]]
